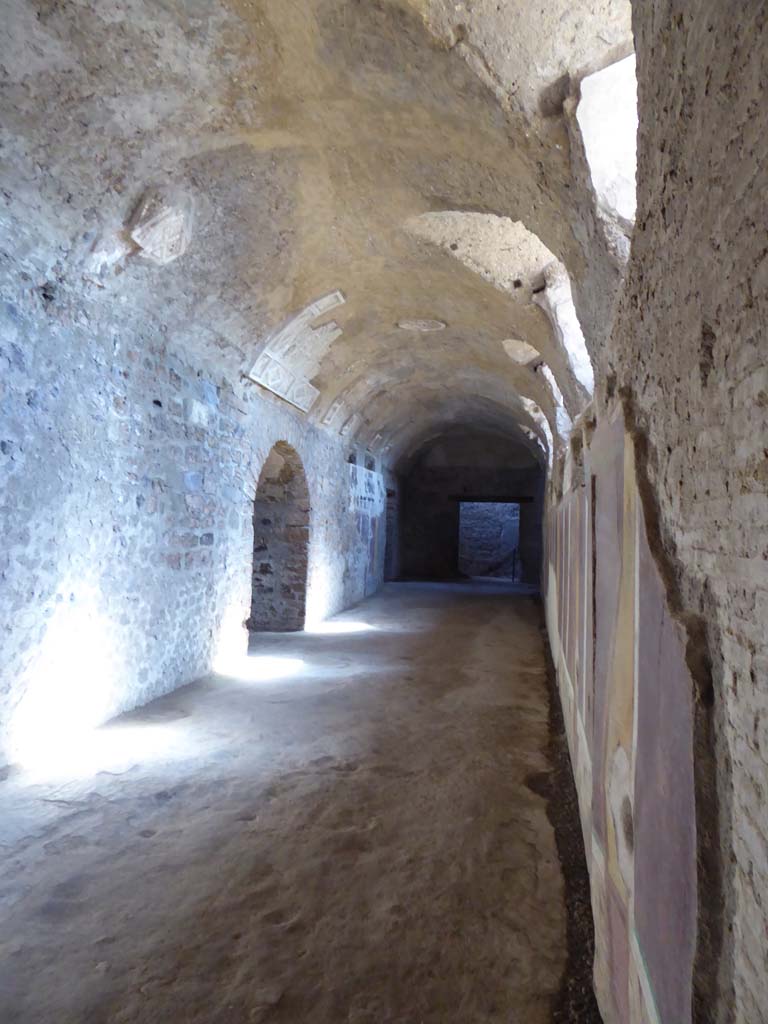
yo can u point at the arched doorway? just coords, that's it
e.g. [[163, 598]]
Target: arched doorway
[[280, 543]]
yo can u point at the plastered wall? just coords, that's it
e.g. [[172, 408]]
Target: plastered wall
[[628, 702], [687, 357]]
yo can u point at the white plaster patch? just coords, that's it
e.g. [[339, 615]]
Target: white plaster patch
[[334, 413], [541, 422], [557, 302], [367, 492], [351, 425], [161, 224], [292, 356], [424, 326], [520, 351], [197, 413], [563, 419], [283, 382]]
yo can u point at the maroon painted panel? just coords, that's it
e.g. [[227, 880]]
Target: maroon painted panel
[[618, 937], [574, 583], [589, 688], [608, 455], [665, 810], [560, 572], [567, 573]]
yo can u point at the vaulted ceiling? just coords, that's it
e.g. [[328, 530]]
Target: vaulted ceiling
[[419, 159]]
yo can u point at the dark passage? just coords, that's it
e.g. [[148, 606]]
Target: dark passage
[[454, 493], [489, 538]]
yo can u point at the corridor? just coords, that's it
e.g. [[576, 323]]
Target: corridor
[[349, 827]]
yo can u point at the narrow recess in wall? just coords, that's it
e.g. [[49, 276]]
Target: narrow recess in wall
[[392, 536], [280, 544]]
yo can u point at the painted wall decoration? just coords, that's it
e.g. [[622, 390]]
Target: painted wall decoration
[[368, 497], [291, 357], [627, 700]]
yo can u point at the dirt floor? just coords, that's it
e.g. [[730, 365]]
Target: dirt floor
[[353, 827]]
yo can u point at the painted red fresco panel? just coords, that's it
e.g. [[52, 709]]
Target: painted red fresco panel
[[574, 602], [618, 936], [609, 490], [589, 680], [560, 572], [665, 810], [586, 613]]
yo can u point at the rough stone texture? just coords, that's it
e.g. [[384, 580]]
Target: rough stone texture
[[281, 518], [689, 355], [262, 115], [489, 536], [687, 361], [529, 68], [128, 479]]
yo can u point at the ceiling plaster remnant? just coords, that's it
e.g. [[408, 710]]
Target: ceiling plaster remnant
[[423, 326], [542, 423], [562, 418], [335, 414], [350, 426], [160, 226], [557, 302], [520, 351], [292, 356]]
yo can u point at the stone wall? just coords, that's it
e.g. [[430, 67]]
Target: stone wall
[[689, 360], [128, 478], [489, 536], [281, 512]]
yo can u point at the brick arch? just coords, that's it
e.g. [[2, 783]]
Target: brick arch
[[280, 543]]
